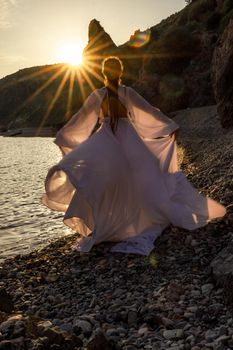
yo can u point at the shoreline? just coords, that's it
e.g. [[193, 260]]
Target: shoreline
[[30, 132], [173, 299]]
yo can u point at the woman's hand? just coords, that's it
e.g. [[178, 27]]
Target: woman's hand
[[175, 134]]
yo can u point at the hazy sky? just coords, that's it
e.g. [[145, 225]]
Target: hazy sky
[[33, 32]]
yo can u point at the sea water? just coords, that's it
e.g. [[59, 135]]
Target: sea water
[[26, 224]]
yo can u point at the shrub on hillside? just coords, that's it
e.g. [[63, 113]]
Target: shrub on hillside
[[213, 20], [224, 21], [227, 6], [177, 40], [197, 11], [195, 25], [172, 52], [183, 17], [173, 93]]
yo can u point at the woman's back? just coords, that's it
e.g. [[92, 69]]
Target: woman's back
[[112, 105]]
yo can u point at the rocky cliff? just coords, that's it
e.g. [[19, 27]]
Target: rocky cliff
[[223, 76], [170, 64]]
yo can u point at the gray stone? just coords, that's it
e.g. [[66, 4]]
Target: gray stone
[[132, 317], [195, 293], [194, 243], [210, 335], [222, 339], [111, 332], [192, 309], [188, 239], [14, 344], [191, 339], [8, 345], [85, 326], [41, 326], [223, 263], [222, 330], [173, 334], [142, 330], [207, 288], [54, 334], [7, 326], [100, 342]]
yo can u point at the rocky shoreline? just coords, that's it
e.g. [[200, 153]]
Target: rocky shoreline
[[30, 132], [177, 298]]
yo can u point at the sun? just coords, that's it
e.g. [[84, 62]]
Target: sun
[[71, 54]]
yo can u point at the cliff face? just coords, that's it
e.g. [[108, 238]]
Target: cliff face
[[223, 76], [170, 64], [176, 72]]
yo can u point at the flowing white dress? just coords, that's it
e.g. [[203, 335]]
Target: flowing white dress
[[124, 187]]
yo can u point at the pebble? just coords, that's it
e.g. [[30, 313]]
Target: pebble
[[142, 330], [85, 326], [188, 239], [207, 288], [173, 334], [132, 317], [210, 335]]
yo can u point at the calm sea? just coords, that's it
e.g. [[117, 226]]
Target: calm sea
[[25, 224]]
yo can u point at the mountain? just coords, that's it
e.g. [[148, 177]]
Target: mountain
[[170, 64]]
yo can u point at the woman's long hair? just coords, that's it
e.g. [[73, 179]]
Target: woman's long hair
[[112, 69]]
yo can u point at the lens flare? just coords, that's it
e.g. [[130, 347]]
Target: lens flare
[[139, 39]]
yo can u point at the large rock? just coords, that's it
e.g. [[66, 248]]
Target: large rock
[[167, 92], [222, 76], [197, 75], [99, 46], [99, 42]]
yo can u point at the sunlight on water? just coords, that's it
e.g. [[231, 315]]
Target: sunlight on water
[[25, 224]]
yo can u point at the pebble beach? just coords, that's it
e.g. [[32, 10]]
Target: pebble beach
[[176, 298]]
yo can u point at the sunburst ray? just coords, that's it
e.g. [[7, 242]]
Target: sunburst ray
[[88, 80], [52, 103], [92, 51], [93, 72], [80, 83], [42, 71], [70, 93], [38, 91]]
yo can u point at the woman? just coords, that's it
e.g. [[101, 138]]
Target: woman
[[118, 180]]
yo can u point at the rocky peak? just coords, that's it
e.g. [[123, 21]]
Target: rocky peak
[[99, 42]]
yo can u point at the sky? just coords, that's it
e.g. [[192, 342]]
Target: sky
[[39, 32]]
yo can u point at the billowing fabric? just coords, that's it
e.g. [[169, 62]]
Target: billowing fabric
[[124, 187]]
